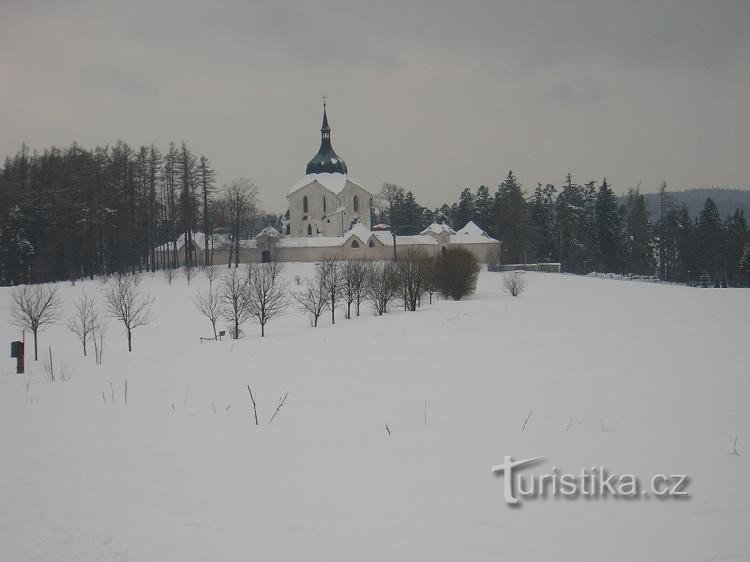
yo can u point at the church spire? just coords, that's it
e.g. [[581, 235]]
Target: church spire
[[326, 160], [325, 130]]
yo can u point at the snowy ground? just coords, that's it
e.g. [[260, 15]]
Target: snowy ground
[[640, 378]]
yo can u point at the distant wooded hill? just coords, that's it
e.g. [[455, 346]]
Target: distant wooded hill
[[727, 200]]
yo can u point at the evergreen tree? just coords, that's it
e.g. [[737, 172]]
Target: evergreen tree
[[512, 220], [708, 241], [542, 220], [569, 223], [640, 256], [735, 241], [608, 230], [465, 209], [484, 210]]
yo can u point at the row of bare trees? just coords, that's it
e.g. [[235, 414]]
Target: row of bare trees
[[36, 307], [259, 293], [415, 275]]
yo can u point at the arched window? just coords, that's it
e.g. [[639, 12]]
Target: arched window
[[287, 229], [304, 204], [324, 204], [356, 204], [371, 243], [309, 226], [355, 244]]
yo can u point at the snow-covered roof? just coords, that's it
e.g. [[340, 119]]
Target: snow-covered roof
[[386, 239], [334, 182], [381, 226], [471, 234], [436, 228], [360, 231], [269, 231]]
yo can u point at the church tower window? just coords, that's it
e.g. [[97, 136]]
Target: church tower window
[[324, 203], [305, 204], [309, 230], [355, 244], [356, 204]]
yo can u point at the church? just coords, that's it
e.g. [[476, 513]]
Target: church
[[330, 215]]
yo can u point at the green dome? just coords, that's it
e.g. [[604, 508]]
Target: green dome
[[326, 161]]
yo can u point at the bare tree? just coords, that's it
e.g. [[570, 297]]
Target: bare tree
[[360, 285], [238, 204], [169, 274], [267, 292], [382, 285], [126, 304], [189, 273], [514, 283], [97, 336], [34, 307], [331, 278], [235, 305], [211, 274], [413, 273], [209, 306], [312, 298], [354, 274], [86, 315]]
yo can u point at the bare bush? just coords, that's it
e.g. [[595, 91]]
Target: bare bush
[[189, 273], [382, 284], [235, 306], [126, 303], [456, 273], [86, 315], [169, 274], [212, 273], [35, 307], [514, 283], [209, 305], [267, 292], [312, 298]]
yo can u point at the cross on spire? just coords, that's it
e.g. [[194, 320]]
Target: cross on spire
[[324, 97]]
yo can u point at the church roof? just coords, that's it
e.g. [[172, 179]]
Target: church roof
[[326, 160], [436, 228], [360, 231], [334, 183], [471, 234]]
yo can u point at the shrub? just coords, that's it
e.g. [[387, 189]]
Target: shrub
[[514, 283], [456, 273]]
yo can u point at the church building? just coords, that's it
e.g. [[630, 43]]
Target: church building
[[326, 201], [330, 216]]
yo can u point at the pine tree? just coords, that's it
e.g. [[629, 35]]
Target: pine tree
[[542, 220], [608, 230], [640, 257], [570, 210], [708, 240], [512, 220], [465, 209], [484, 210]]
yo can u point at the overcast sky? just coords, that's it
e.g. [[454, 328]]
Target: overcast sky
[[435, 96]]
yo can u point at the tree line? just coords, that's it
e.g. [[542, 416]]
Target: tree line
[[75, 212], [587, 228]]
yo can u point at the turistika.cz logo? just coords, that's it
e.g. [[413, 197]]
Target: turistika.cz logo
[[595, 482]]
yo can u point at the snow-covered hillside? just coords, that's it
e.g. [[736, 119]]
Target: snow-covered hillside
[[639, 378]]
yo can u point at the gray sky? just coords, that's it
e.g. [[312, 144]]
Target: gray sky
[[433, 95]]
